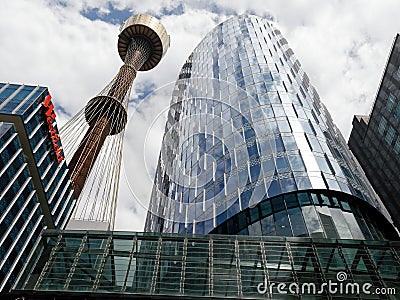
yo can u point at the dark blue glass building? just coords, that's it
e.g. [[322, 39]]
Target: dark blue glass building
[[250, 149], [35, 190], [375, 139]]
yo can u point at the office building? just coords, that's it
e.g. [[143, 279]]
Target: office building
[[375, 139], [35, 190], [250, 149]]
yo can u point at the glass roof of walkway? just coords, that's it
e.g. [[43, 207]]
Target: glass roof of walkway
[[136, 265]]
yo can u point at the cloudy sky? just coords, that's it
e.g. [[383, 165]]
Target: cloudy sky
[[70, 47]]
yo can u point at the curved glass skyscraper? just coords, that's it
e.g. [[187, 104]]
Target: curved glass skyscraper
[[250, 149]]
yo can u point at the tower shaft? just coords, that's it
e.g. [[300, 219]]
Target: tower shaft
[[87, 153], [106, 115], [139, 51]]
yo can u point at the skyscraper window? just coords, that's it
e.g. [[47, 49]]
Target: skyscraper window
[[382, 125], [390, 135], [396, 113], [396, 146], [390, 102]]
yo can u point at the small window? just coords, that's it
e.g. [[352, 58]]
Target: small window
[[396, 147], [382, 125], [390, 102], [323, 164], [390, 135], [297, 163], [397, 112]]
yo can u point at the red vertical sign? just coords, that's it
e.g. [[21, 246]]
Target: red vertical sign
[[50, 118]]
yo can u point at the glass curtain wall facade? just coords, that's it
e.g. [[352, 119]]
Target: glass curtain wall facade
[[248, 141], [35, 190], [375, 139]]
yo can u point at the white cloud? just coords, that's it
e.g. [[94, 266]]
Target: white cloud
[[342, 45], [58, 48]]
